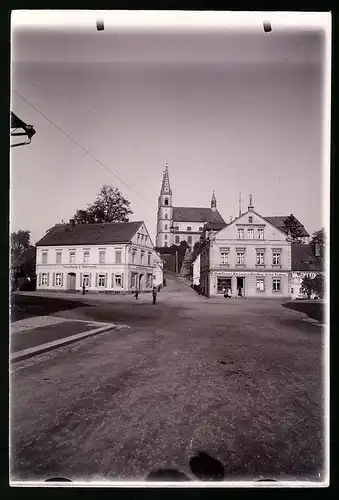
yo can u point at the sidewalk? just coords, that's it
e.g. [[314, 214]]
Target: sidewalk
[[33, 336]]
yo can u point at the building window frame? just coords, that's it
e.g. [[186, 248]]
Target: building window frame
[[189, 240], [260, 257], [260, 281], [149, 256], [276, 285], [58, 279], [118, 256], [58, 257], [241, 233], [142, 255], [188, 228], [166, 202], [250, 233], [86, 257], [72, 257], [240, 259], [102, 256], [224, 256], [276, 257], [44, 279], [101, 280], [44, 257], [261, 235], [177, 239], [250, 219]]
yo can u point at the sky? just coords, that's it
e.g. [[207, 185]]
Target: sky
[[233, 112]]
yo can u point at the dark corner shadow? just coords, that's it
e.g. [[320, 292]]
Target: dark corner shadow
[[27, 306], [314, 310], [58, 480], [207, 468], [167, 475]]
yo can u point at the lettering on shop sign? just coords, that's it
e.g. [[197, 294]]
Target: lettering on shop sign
[[220, 273], [86, 266], [71, 266]]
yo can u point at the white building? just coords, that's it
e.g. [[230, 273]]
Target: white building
[[158, 270], [196, 271], [113, 257], [251, 254]]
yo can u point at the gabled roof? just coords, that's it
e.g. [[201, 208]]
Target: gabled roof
[[278, 222], [303, 258], [215, 226], [196, 214], [90, 234]]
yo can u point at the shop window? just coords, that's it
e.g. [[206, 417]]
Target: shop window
[[260, 284]]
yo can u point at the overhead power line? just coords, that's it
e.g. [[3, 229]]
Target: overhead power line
[[81, 147]]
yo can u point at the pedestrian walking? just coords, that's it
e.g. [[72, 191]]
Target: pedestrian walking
[[154, 295], [136, 294]]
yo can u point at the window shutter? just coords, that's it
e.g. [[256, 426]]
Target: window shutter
[[96, 280], [112, 285], [90, 280], [53, 279], [81, 281], [47, 279], [106, 279]]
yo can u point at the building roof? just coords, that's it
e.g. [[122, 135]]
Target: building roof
[[192, 214], [215, 226], [278, 222], [303, 258], [90, 234]]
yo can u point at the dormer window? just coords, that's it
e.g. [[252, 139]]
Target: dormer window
[[166, 202]]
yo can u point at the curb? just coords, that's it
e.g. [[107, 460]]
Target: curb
[[50, 346]]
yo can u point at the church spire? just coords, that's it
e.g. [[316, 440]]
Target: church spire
[[165, 187], [213, 202]]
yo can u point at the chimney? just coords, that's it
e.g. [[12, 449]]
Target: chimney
[[250, 205]]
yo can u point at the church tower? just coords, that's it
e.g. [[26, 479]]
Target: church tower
[[213, 202], [164, 236]]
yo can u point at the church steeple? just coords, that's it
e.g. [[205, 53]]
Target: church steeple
[[165, 187], [213, 202]]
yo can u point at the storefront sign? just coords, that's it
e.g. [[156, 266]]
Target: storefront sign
[[88, 266], [239, 273], [71, 266]]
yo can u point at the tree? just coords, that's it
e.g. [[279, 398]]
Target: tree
[[20, 240], [307, 286], [294, 228], [319, 237], [109, 206], [319, 285]]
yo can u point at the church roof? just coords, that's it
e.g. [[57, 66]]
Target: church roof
[[193, 214], [90, 234]]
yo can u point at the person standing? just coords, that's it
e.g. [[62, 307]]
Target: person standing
[[83, 287], [136, 294], [154, 295]]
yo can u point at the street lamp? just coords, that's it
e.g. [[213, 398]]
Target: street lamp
[[26, 130]]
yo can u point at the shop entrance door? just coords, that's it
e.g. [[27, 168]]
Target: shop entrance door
[[240, 287]]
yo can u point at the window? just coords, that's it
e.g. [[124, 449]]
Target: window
[[201, 228], [166, 202], [177, 239], [240, 257], [291, 290], [189, 240], [44, 279], [176, 228], [102, 255], [86, 257], [133, 280], [44, 258], [276, 258], [250, 219], [224, 257], [240, 233], [72, 257], [260, 234], [118, 257], [86, 280], [260, 284], [260, 258], [165, 236], [189, 228], [166, 216], [276, 285], [102, 280], [149, 259], [118, 280], [142, 238], [146, 238], [166, 227], [58, 279], [138, 237], [58, 258], [165, 244], [133, 256], [250, 234], [142, 255]]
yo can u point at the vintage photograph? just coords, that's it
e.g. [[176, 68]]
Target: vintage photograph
[[169, 238]]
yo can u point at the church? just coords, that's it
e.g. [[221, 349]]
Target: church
[[177, 224]]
